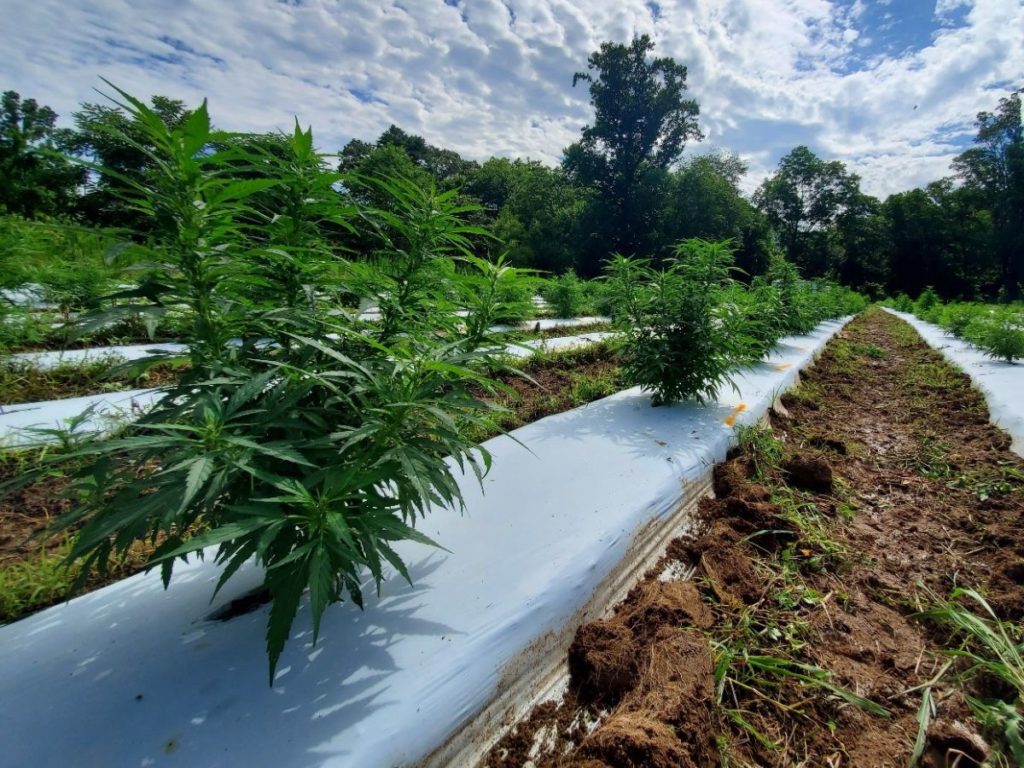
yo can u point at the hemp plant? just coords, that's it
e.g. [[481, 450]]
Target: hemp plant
[[682, 339], [312, 457], [412, 275], [492, 292], [301, 219], [198, 207]]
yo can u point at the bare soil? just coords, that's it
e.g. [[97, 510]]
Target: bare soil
[[24, 383], [892, 489], [553, 384]]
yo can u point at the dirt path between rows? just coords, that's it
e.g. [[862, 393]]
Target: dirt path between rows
[[880, 487]]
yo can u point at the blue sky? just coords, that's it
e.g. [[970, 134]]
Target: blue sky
[[890, 87]]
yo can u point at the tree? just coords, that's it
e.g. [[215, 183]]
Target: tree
[[34, 179], [641, 125], [863, 235], [704, 201], [114, 140], [803, 201], [445, 165], [995, 168], [535, 211], [940, 237]]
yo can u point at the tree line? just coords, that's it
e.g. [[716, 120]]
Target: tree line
[[626, 186]]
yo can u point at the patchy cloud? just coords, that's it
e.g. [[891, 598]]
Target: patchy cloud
[[889, 88]]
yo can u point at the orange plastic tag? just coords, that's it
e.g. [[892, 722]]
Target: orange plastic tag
[[735, 413]]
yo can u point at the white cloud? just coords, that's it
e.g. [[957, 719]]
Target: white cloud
[[489, 77], [944, 8]]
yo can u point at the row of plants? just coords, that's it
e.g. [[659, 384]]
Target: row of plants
[[68, 284], [996, 329], [24, 329], [691, 324], [309, 440]]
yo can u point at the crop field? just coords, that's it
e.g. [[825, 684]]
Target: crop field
[[384, 456]]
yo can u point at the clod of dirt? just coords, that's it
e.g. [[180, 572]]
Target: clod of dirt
[[653, 603], [753, 493], [829, 444], [1006, 587], [727, 479], [809, 473], [677, 681], [630, 740], [947, 740], [724, 560], [759, 515], [665, 719], [603, 661]]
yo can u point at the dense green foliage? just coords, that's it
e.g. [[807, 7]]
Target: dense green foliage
[[68, 261], [315, 454], [998, 330], [994, 170], [689, 325], [565, 294], [34, 178], [682, 338]]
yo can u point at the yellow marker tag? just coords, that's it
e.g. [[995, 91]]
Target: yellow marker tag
[[735, 413]]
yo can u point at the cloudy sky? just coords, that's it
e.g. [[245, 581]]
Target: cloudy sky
[[890, 87]]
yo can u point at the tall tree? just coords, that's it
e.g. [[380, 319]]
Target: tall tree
[[445, 165], [941, 238], [705, 202], [803, 200], [34, 179], [642, 122], [995, 167], [113, 139]]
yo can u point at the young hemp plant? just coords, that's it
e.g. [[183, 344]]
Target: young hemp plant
[[492, 292], [310, 460], [682, 340]]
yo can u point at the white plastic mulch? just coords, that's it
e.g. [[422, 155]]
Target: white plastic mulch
[[19, 422], [1000, 382], [558, 344], [133, 675], [28, 296], [547, 323], [126, 352]]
